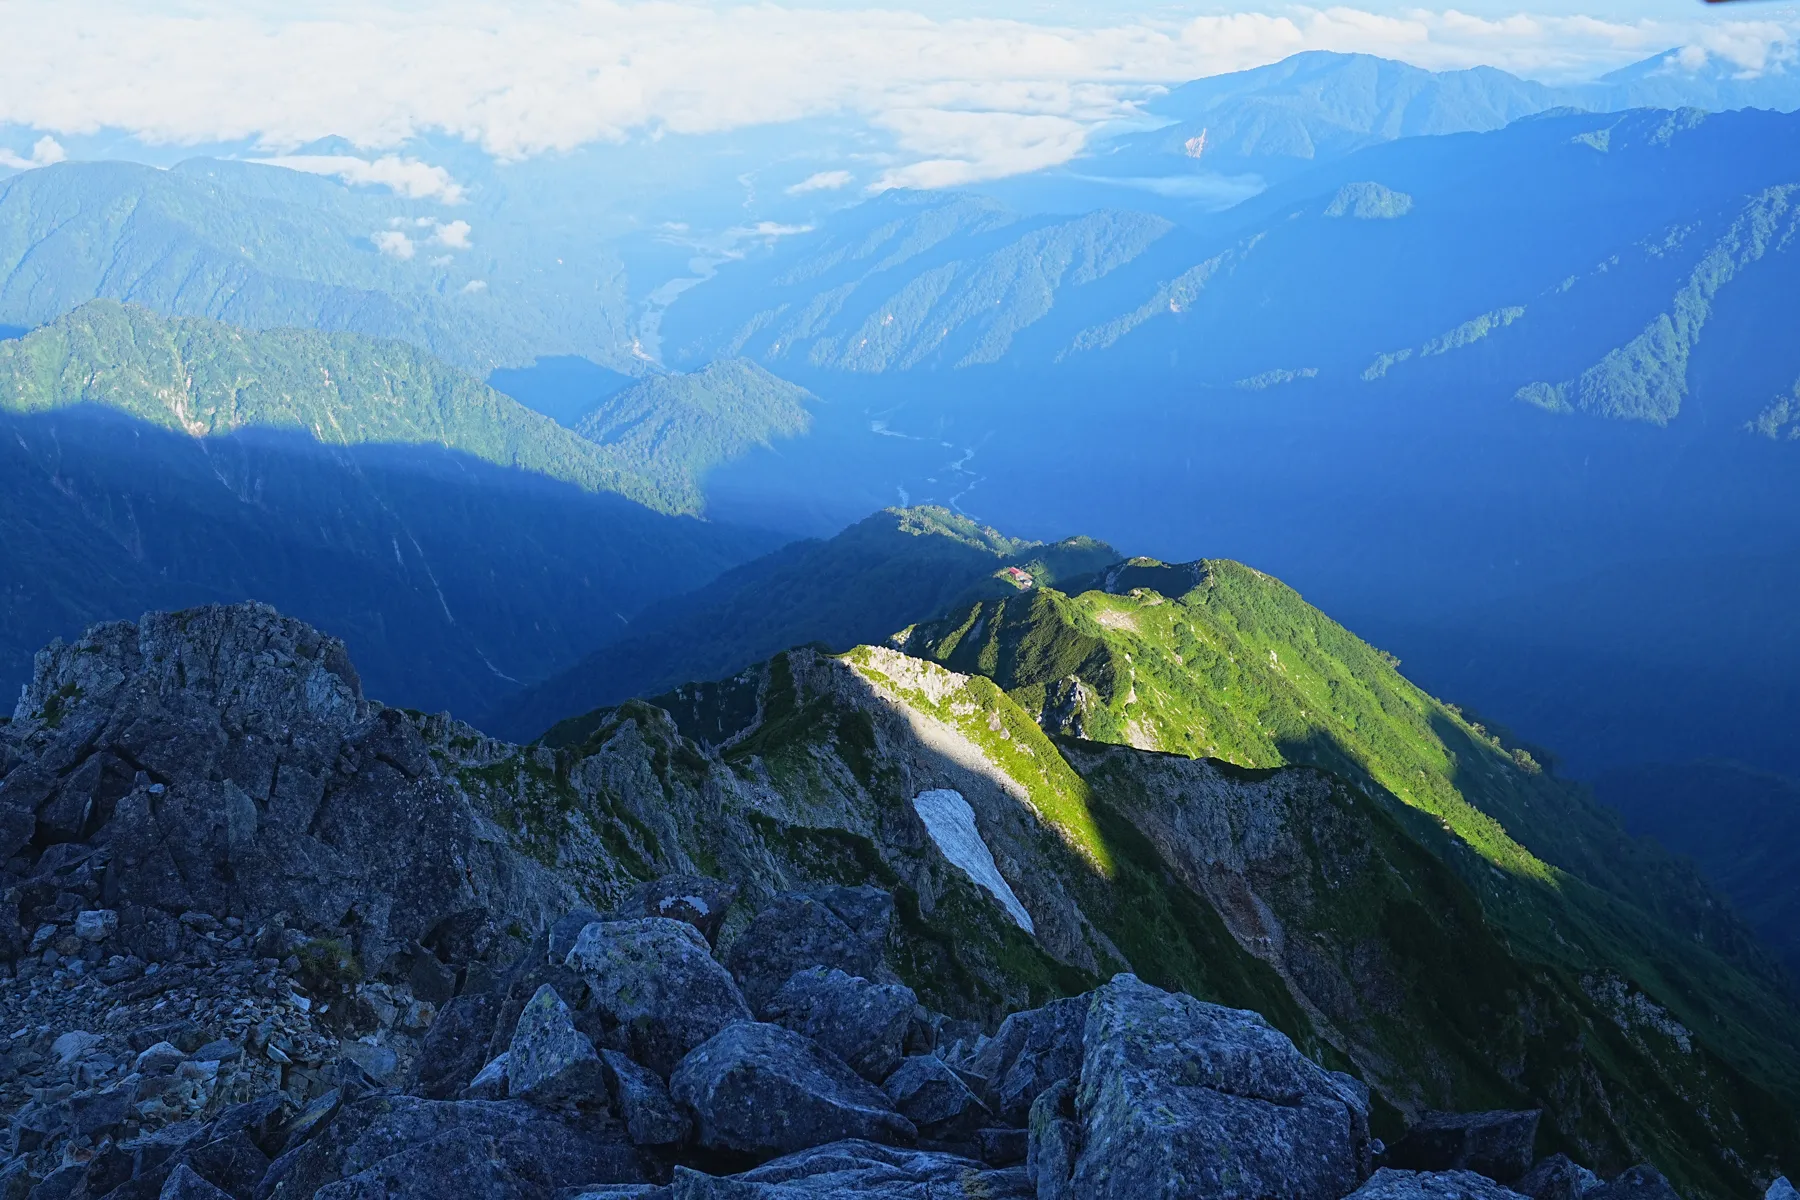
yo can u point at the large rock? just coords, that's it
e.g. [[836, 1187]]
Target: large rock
[[696, 899], [860, 1169], [459, 1163], [863, 1023], [936, 1099], [651, 1115], [1496, 1144], [656, 978], [1642, 1182], [840, 927], [1781, 1189], [184, 1184], [1390, 1183], [1055, 1141], [455, 1047], [1179, 1098], [1557, 1178], [763, 1090], [1032, 1050], [548, 1150], [550, 1061]]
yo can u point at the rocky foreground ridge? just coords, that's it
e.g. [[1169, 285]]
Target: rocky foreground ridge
[[842, 926]]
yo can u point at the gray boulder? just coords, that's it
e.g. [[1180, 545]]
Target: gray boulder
[[1390, 1183], [1032, 1050], [863, 1023], [545, 1148], [651, 1116], [936, 1099], [455, 1047], [861, 1169], [763, 1090], [459, 1163], [840, 927], [489, 1082], [1781, 1189], [184, 1184], [657, 978], [1557, 1178], [567, 930], [1496, 1144], [1055, 1143], [696, 899], [1642, 1182], [1179, 1098], [550, 1061]]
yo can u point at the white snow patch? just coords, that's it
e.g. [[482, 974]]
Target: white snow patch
[[951, 823]]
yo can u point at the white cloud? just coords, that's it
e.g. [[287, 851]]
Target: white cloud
[[455, 235], [45, 152], [394, 244], [473, 286], [406, 177], [823, 181], [968, 97]]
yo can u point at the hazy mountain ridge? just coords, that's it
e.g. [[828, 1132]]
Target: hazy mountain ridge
[[889, 570], [1566, 274], [264, 247], [1320, 105]]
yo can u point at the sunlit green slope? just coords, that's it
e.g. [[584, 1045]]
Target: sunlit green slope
[[1214, 659]]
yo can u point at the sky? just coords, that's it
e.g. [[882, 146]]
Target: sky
[[1005, 84]]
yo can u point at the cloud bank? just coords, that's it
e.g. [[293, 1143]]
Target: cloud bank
[[403, 176], [46, 152], [965, 98]]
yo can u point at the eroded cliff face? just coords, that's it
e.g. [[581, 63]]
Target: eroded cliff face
[[223, 762]]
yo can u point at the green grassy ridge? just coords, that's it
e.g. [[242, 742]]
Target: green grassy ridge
[[205, 379], [264, 247], [1231, 664], [892, 568]]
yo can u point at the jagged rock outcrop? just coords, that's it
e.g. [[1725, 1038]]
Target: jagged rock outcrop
[[224, 760]]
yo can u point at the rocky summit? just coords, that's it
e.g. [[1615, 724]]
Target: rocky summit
[[268, 939]]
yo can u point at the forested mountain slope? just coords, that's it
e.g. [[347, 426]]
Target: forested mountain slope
[[265, 247], [461, 542], [1563, 244]]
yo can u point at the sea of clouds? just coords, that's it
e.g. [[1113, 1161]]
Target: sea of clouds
[[962, 99]]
